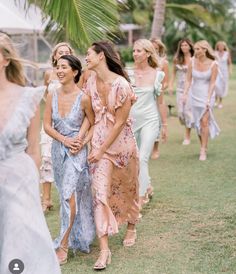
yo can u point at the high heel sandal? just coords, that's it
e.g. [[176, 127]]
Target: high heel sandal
[[130, 241], [63, 259], [101, 263], [46, 206], [150, 191]]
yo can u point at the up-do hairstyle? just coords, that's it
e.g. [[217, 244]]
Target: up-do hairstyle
[[112, 59], [14, 70], [75, 65], [179, 56], [209, 51], [55, 49]]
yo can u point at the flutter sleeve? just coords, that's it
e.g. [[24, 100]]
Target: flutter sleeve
[[124, 90], [158, 83]]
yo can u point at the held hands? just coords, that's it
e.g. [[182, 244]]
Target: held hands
[[73, 143]]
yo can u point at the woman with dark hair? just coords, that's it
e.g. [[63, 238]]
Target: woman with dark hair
[[46, 170], [201, 79], [181, 61], [114, 155], [66, 117]]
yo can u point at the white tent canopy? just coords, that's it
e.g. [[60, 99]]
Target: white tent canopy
[[14, 19]]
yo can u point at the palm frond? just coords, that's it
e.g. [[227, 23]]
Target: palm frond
[[83, 20]]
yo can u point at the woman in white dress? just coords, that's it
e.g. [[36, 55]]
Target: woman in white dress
[[46, 170], [201, 79], [24, 233], [181, 61], [225, 68]]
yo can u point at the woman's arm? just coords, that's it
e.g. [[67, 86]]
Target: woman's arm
[[163, 113], [187, 82], [172, 80], [33, 149], [214, 72], [230, 64], [166, 78], [47, 123], [121, 116]]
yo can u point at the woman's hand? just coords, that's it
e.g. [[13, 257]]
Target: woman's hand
[[71, 143], [95, 156], [79, 144]]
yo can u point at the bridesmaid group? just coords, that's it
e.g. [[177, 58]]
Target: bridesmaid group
[[100, 128]]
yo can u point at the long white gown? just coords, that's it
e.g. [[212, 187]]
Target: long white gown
[[24, 233]]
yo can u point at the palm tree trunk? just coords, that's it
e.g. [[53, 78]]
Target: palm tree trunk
[[158, 19]]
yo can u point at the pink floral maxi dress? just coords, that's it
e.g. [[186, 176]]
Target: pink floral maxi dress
[[115, 176]]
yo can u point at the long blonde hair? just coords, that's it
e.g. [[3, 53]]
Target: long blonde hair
[[209, 51], [223, 43], [161, 47], [55, 49], [149, 48], [14, 70]]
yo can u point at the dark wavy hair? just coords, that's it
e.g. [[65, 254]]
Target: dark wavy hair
[[75, 64], [179, 56], [112, 59]]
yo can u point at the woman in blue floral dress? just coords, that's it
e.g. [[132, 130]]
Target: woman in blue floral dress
[[66, 109]]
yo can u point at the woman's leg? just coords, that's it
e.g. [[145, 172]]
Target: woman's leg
[[204, 135], [63, 249], [46, 199], [148, 136]]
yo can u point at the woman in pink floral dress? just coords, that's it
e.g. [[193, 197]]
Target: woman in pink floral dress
[[114, 156]]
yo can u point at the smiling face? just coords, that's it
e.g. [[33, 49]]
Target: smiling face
[[140, 55], [199, 51], [93, 59], [185, 47], [65, 73]]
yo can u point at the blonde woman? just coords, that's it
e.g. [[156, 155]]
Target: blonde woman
[[46, 170], [201, 79], [147, 78], [23, 232], [225, 68]]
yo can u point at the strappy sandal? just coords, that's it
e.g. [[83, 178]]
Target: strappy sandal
[[101, 263], [63, 259], [130, 241]]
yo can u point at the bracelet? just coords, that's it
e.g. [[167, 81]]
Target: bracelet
[[64, 140]]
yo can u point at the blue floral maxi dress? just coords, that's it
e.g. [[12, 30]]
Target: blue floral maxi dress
[[72, 177]]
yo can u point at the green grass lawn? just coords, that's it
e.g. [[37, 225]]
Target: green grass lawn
[[190, 224]]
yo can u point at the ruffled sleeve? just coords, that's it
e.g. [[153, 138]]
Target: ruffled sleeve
[[158, 83], [15, 129], [123, 91]]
